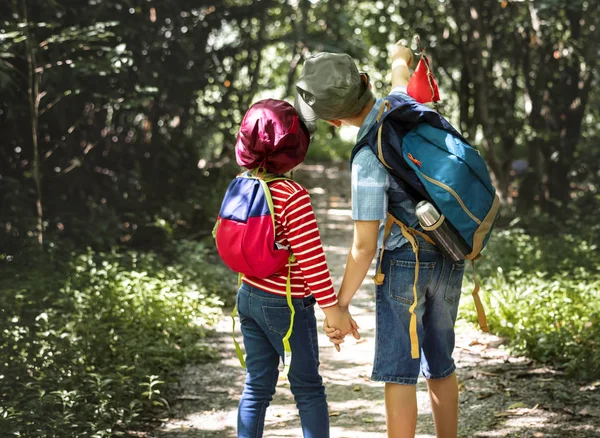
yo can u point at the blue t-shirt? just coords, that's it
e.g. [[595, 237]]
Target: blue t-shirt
[[371, 187]]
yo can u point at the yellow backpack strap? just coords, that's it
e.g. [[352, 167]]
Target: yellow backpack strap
[[267, 192], [287, 349], [266, 178], [379, 276], [286, 340], [238, 349], [264, 181], [481, 318], [269, 177], [410, 235], [385, 106]]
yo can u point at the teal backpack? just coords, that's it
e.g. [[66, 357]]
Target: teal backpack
[[431, 161]]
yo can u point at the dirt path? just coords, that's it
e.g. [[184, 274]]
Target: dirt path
[[501, 395]]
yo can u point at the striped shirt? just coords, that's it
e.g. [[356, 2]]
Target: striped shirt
[[296, 228]]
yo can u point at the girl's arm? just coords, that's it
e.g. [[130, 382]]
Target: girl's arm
[[300, 225]]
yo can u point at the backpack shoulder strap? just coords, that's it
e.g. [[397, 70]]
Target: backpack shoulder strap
[[269, 199], [269, 178], [264, 179], [385, 106]]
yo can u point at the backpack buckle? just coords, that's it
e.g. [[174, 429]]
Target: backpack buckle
[[379, 278]]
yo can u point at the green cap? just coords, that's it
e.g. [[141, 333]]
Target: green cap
[[330, 87]]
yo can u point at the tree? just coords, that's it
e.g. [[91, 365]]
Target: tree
[[559, 92]]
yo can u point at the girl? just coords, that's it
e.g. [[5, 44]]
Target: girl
[[273, 139]]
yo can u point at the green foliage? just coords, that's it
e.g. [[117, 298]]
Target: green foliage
[[139, 105], [327, 146], [89, 338], [136, 101], [132, 99], [542, 293]]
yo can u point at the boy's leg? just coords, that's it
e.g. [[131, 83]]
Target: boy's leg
[[444, 404], [305, 381], [393, 363], [438, 344], [262, 361], [401, 410]]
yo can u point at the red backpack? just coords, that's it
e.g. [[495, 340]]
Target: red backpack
[[245, 238], [245, 229]]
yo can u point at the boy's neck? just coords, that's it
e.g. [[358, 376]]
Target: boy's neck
[[359, 119]]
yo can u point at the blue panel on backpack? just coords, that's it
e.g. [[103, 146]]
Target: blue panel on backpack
[[244, 198]]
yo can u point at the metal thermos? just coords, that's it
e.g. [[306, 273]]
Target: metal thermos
[[441, 232]]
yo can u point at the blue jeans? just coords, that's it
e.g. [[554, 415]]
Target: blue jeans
[[438, 291], [265, 319]]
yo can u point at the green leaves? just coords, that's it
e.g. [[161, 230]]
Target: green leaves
[[82, 34], [89, 339], [542, 294]]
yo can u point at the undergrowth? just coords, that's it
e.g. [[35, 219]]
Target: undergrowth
[[90, 338]]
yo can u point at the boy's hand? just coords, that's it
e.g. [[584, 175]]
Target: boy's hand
[[341, 322], [338, 327], [401, 57], [401, 52]]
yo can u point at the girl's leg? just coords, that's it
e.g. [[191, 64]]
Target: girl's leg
[[444, 404], [261, 372], [401, 410], [305, 381]]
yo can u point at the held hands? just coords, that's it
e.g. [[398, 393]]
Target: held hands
[[338, 325]]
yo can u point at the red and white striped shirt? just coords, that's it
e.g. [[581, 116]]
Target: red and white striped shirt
[[296, 227]]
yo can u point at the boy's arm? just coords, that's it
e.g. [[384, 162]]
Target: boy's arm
[[364, 248], [401, 60], [369, 207]]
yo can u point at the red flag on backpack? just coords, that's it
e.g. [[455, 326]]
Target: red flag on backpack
[[422, 86]]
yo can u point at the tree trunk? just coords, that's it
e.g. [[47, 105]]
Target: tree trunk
[[476, 71], [299, 44], [558, 114], [530, 188], [33, 91]]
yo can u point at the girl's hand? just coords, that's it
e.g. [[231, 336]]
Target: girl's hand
[[336, 335]]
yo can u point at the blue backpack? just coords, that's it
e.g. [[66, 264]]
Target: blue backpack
[[431, 161]]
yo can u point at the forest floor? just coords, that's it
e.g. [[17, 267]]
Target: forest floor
[[500, 395]]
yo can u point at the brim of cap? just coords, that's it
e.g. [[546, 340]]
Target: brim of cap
[[306, 112]]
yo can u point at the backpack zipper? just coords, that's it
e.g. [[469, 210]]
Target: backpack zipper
[[431, 180], [467, 164], [453, 193]]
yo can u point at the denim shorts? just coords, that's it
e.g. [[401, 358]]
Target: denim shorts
[[438, 291]]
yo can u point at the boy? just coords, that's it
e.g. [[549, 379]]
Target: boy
[[332, 89]]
